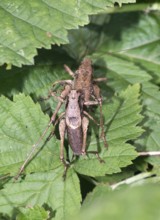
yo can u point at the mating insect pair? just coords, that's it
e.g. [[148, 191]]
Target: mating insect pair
[[78, 93]]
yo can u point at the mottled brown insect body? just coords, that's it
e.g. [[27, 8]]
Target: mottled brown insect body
[[75, 138], [80, 92], [83, 79]]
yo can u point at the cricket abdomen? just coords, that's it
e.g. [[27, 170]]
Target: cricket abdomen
[[75, 139]]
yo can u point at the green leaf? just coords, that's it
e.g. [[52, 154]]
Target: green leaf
[[25, 27], [114, 178], [25, 116], [21, 124], [98, 192], [132, 58], [33, 213], [62, 198], [37, 80], [124, 115], [133, 203], [140, 43]]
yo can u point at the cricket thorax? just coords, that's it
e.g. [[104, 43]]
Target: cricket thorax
[[83, 79], [73, 112]]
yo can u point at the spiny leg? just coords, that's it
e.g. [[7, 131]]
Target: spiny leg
[[97, 155], [62, 82], [53, 94], [56, 122], [100, 79], [85, 123], [101, 119], [91, 103], [93, 152], [68, 70], [90, 117], [62, 129], [96, 91], [63, 96]]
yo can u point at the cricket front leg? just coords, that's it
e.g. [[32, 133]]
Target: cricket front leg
[[100, 79], [62, 82], [53, 94], [68, 70]]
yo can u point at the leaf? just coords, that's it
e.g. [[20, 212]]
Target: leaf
[[62, 198], [114, 178], [32, 213], [39, 24], [124, 117], [140, 44], [37, 80], [126, 203], [131, 59], [21, 124], [150, 141]]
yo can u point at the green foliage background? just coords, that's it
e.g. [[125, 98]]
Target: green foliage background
[[37, 39]]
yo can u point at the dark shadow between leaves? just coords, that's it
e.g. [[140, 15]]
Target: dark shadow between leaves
[[52, 213], [5, 217], [15, 210], [13, 81], [4, 179], [86, 185]]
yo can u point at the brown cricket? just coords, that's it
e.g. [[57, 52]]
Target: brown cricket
[[83, 81], [79, 92]]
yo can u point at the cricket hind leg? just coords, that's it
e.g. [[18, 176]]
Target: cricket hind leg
[[97, 94], [85, 123], [88, 103], [52, 133], [52, 120], [97, 155], [62, 130]]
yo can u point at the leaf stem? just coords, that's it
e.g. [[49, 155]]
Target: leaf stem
[[147, 7], [150, 153], [132, 180]]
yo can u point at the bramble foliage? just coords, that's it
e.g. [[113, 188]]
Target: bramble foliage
[[124, 45]]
